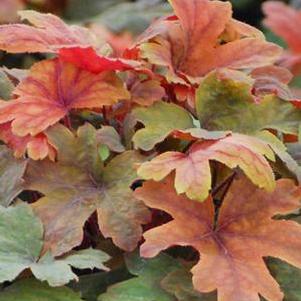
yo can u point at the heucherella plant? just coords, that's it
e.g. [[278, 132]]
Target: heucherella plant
[[164, 170]]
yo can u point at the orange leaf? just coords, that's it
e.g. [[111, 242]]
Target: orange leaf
[[232, 249], [48, 34], [205, 37], [52, 89], [193, 174], [37, 147]]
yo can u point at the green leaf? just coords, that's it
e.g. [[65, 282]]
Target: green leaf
[[32, 290], [228, 105], [146, 286], [159, 120], [11, 176], [20, 249], [6, 86], [78, 184], [288, 277], [179, 283]]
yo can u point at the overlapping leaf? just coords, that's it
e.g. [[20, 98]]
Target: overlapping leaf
[[146, 286], [21, 249], [193, 175], [159, 120], [226, 104], [204, 37], [36, 147], [51, 90], [78, 184], [231, 248], [11, 176]]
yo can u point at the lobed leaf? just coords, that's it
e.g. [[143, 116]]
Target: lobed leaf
[[21, 249], [193, 175], [52, 90], [233, 246], [226, 104], [78, 184], [159, 120]]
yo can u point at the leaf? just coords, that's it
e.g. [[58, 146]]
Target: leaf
[[179, 283], [227, 105], [11, 176], [159, 120], [146, 93], [146, 286], [193, 175], [32, 290], [108, 136], [52, 90], [21, 249], [288, 277], [78, 184], [6, 86], [197, 32], [36, 147], [89, 60], [284, 21], [47, 33], [233, 245]]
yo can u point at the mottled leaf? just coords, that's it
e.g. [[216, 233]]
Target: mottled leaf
[[227, 105], [11, 176], [54, 88], [233, 246], [159, 120], [193, 175], [78, 184]]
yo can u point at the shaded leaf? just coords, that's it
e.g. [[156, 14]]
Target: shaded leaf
[[231, 248], [33, 290], [146, 286], [108, 135], [78, 184], [193, 175], [52, 89], [159, 120], [288, 277], [11, 176], [179, 283], [6, 86]]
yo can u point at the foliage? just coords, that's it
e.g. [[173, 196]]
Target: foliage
[[164, 166]]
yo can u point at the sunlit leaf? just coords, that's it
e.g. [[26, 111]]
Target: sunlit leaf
[[193, 175], [233, 246], [54, 88]]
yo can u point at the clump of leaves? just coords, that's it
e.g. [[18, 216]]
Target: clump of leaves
[[158, 171]]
